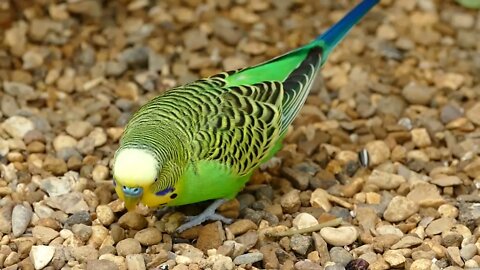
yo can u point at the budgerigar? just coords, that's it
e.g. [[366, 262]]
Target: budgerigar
[[203, 140]]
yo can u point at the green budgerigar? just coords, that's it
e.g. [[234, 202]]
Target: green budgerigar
[[203, 140]]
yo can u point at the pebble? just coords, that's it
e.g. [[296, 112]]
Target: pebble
[[419, 94], [79, 129], [135, 261], [378, 152], [44, 234], [248, 239], [100, 173], [385, 180], [420, 137], [446, 180], [468, 251], [248, 258], [399, 209], [84, 254], [105, 214], [17, 126], [21, 216], [473, 113], [290, 202], [41, 255], [389, 230], [82, 231], [270, 260], [340, 256], [69, 203], [307, 265], [300, 243], [341, 236], [421, 264], [241, 226], [426, 195], [133, 220], [149, 236], [407, 242], [394, 258], [304, 220], [321, 247], [64, 141], [319, 198], [128, 246], [211, 236], [453, 254], [439, 225], [101, 265]]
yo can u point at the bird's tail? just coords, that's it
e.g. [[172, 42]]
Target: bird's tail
[[330, 39]]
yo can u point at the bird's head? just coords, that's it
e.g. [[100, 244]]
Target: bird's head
[[135, 173]]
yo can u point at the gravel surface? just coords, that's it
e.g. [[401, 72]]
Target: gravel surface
[[404, 86]]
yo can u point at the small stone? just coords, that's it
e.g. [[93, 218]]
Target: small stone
[[453, 254], [448, 210], [135, 261], [421, 264], [80, 217], [221, 262], [17, 126], [270, 260], [84, 254], [100, 173], [82, 231], [420, 137], [340, 256], [69, 203], [385, 180], [64, 141], [128, 246], [426, 195], [394, 258], [300, 179], [149, 236], [211, 236], [439, 225], [304, 220], [41, 255], [418, 94], [307, 265], [105, 214], [195, 40], [357, 264], [99, 136], [101, 265], [300, 243], [468, 251], [44, 234], [446, 180], [248, 239], [21, 217], [378, 152], [88, 8], [55, 165], [407, 241], [341, 236], [133, 220], [242, 226], [290, 202], [79, 129], [473, 114], [387, 32], [248, 258], [319, 199], [399, 209]]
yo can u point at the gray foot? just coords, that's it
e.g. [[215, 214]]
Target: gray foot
[[162, 211], [207, 214]]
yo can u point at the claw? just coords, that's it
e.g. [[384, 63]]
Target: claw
[[207, 214]]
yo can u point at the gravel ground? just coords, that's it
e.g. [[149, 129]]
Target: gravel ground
[[404, 85]]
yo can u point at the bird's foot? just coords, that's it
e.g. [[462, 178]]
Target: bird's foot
[[207, 214], [159, 213]]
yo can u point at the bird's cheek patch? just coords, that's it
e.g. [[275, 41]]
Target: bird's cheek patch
[[164, 192]]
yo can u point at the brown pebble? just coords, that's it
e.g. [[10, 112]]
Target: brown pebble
[[241, 226], [211, 236], [132, 220], [128, 246]]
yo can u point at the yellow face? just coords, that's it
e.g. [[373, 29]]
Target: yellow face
[[133, 195], [134, 171]]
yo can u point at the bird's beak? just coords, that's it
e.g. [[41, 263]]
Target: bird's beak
[[131, 202]]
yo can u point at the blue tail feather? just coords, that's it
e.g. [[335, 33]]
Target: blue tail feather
[[337, 32]]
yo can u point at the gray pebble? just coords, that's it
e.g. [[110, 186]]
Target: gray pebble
[[248, 258]]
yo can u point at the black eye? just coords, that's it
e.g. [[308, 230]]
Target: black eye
[[173, 196]]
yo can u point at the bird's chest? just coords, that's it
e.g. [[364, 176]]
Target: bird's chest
[[208, 180]]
